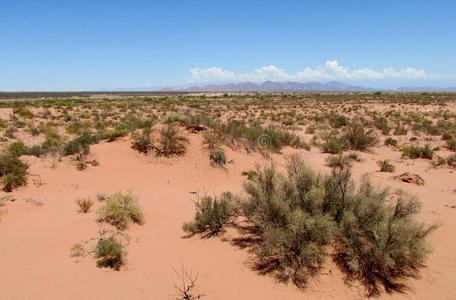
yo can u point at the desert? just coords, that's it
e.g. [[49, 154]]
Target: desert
[[249, 195]]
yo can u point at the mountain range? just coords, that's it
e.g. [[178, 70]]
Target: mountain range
[[272, 86]]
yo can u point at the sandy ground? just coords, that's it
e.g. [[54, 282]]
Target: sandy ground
[[35, 260]]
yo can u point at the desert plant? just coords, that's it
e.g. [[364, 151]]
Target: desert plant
[[391, 142], [211, 214], [142, 142], [84, 204], [357, 137], [121, 209], [417, 152], [212, 139], [217, 157], [332, 145], [386, 166], [109, 253], [170, 140], [112, 135], [381, 242], [339, 161], [251, 174], [13, 172]]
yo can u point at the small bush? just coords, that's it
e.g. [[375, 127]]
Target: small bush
[[13, 172], [338, 161], [451, 144], [211, 215], [217, 157], [142, 142], [170, 141], [84, 205], [391, 142], [251, 174], [451, 160], [212, 139], [333, 146], [381, 242], [109, 253], [417, 152], [357, 137], [121, 209], [386, 166], [112, 135]]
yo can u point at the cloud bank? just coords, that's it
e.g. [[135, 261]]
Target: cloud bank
[[331, 70]]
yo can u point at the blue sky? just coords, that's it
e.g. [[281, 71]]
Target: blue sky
[[93, 45]]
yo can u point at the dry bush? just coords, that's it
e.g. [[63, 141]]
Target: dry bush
[[84, 204]]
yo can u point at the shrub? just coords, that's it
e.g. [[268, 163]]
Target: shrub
[[170, 141], [211, 215], [391, 142], [13, 172], [84, 205], [339, 161], [217, 157], [109, 253], [297, 216], [289, 214], [112, 135], [251, 174], [142, 142], [332, 145], [212, 139], [451, 144], [18, 149], [417, 152], [451, 160], [386, 166], [358, 138], [80, 145], [121, 209], [381, 242]]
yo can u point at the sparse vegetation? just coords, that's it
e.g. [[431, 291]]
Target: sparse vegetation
[[120, 210]]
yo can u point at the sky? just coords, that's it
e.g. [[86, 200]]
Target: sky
[[99, 45]]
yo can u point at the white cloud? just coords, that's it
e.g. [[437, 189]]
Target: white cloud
[[331, 70]]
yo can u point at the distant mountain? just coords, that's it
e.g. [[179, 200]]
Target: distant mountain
[[271, 86], [426, 89]]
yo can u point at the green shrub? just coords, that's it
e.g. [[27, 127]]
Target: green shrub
[[212, 139], [417, 152], [357, 137], [451, 160], [80, 145], [296, 217], [386, 166], [13, 172], [289, 214], [339, 161], [142, 142], [170, 141], [251, 174], [451, 144], [332, 145], [211, 215], [112, 135], [121, 209], [217, 157], [391, 142], [381, 242], [109, 253]]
